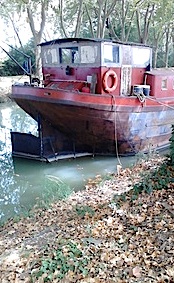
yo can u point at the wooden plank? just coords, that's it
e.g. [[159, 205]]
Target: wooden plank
[[93, 83]]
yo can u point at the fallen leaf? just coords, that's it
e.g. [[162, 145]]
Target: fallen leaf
[[136, 272]]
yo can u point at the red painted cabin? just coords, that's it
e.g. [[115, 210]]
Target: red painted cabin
[[161, 82], [69, 60]]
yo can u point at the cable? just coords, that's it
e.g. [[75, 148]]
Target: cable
[[115, 130]]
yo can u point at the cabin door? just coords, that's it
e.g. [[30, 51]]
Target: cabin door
[[126, 74]]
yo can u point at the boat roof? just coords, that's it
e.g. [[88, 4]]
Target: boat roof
[[162, 72], [80, 39]]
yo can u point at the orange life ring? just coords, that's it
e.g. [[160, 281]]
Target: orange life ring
[[110, 73]]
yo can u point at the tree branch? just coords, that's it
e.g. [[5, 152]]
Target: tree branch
[[90, 22], [79, 18], [61, 18]]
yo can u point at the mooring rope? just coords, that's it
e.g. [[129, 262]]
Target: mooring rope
[[115, 130], [162, 103], [142, 98]]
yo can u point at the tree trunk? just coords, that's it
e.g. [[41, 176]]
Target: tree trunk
[[157, 38], [16, 31], [37, 35], [79, 18], [166, 57], [90, 21], [143, 34], [61, 19]]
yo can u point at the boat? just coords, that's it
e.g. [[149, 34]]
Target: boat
[[97, 96]]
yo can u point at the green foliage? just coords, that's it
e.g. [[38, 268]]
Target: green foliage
[[55, 189], [83, 210], [10, 68], [117, 198], [171, 156], [67, 258], [158, 179]]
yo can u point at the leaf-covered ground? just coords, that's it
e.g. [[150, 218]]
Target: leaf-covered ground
[[101, 234]]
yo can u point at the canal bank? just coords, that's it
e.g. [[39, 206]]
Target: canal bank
[[5, 86], [105, 233]]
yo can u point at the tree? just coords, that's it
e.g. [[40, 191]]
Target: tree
[[36, 13], [121, 20], [12, 17], [144, 16], [10, 68], [144, 21], [32, 8], [88, 19], [161, 32]]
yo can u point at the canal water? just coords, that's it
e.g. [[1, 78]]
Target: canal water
[[24, 182]]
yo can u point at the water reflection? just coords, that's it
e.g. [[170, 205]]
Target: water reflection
[[23, 181], [12, 187]]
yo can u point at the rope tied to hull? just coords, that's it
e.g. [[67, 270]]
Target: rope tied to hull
[[115, 133], [140, 96], [160, 102]]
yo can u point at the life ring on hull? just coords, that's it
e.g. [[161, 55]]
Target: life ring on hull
[[114, 78]]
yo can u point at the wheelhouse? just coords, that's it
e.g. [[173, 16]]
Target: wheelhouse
[[83, 65], [87, 60]]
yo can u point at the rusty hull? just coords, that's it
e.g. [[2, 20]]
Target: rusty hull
[[98, 124]]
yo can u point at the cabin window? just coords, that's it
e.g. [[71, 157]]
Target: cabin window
[[164, 84], [141, 57], [50, 56], [89, 54], [69, 55], [111, 53]]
